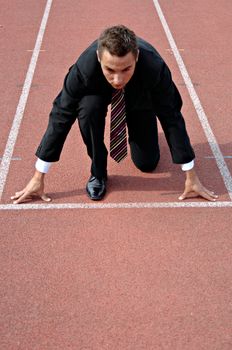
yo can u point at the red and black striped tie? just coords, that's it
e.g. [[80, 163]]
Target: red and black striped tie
[[118, 138]]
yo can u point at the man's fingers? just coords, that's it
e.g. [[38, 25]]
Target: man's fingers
[[45, 198], [206, 196], [182, 197], [17, 194], [25, 197], [209, 195], [186, 195], [34, 188]]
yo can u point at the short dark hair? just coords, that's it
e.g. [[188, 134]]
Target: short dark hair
[[118, 40]]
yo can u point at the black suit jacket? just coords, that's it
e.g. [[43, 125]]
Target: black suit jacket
[[150, 88]]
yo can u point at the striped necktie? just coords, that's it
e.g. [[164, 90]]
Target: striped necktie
[[118, 139]]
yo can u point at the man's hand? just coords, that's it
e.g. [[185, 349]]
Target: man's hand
[[194, 188], [35, 188]]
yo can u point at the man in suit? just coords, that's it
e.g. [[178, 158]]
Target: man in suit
[[117, 62]]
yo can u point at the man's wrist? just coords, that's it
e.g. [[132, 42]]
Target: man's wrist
[[38, 175], [190, 174]]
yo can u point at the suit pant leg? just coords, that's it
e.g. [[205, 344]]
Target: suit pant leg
[[92, 112], [143, 139]]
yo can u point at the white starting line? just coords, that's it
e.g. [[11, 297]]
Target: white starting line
[[139, 205]]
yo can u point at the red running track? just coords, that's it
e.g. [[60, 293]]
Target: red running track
[[114, 278]]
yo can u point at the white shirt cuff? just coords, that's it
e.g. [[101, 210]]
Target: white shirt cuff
[[187, 166], [42, 166]]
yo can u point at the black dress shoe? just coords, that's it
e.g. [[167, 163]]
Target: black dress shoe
[[96, 188]]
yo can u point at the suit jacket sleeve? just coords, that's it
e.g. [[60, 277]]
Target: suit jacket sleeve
[[62, 116], [167, 104]]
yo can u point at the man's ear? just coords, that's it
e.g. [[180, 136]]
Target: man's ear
[[98, 57]]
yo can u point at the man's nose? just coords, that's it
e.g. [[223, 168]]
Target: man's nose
[[118, 79]]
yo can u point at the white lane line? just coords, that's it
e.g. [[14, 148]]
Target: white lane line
[[139, 205], [225, 173], [7, 156]]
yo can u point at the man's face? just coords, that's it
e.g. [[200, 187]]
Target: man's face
[[117, 70]]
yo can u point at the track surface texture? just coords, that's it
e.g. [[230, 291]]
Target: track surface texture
[[139, 270]]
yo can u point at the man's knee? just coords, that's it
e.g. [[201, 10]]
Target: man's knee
[[145, 165], [145, 159]]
